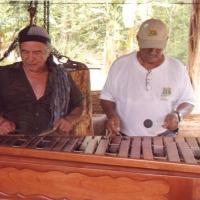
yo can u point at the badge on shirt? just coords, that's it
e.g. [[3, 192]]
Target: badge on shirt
[[166, 93]]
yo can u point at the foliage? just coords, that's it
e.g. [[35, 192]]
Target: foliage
[[94, 32]]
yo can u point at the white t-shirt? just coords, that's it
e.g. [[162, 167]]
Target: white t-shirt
[[140, 94]]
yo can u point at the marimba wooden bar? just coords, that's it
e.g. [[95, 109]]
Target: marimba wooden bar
[[99, 168]]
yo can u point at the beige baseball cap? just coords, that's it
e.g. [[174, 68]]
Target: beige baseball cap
[[153, 33]]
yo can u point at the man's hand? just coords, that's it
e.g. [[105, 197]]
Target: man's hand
[[6, 126], [171, 121], [66, 124], [113, 125], [63, 125]]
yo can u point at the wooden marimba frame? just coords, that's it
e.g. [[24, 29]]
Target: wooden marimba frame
[[99, 168]]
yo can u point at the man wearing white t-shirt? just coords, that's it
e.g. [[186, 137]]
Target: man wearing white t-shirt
[[146, 92]]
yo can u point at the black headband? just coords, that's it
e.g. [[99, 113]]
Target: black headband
[[36, 38]]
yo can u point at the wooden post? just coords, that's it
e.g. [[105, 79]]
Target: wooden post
[[194, 51]]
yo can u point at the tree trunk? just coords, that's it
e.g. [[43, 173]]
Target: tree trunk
[[194, 51]]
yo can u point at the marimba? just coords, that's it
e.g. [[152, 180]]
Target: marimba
[[99, 168]]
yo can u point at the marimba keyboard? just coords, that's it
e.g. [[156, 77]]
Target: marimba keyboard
[[180, 150], [99, 167]]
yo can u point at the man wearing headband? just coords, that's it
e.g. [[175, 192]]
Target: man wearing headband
[[146, 92], [36, 94]]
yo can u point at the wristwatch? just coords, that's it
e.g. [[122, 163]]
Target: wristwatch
[[179, 115]]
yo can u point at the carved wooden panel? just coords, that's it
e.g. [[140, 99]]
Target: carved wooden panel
[[113, 185], [77, 186]]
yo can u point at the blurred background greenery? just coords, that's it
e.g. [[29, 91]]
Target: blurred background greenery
[[96, 32]]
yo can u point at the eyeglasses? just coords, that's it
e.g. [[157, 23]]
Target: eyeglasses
[[147, 80]]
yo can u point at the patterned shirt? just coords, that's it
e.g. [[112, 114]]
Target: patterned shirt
[[18, 102]]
